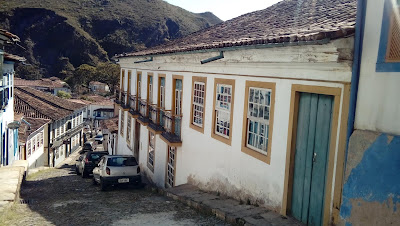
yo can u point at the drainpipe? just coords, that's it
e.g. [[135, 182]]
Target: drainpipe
[[358, 44], [220, 56]]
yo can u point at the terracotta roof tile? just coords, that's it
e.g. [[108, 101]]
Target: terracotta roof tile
[[39, 83], [53, 107], [35, 124], [286, 21], [110, 124]]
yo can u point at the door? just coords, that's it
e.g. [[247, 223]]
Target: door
[[137, 140], [178, 106], [170, 180], [311, 157]]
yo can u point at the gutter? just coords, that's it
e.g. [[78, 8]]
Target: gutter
[[358, 45], [220, 56]]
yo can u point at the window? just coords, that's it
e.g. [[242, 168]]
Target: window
[[122, 123], [128, 133], [257, 119], [389, 45], [171, 166], [162, 92], [28, 147], [41, 138], [198, 103], [150, 89], [38, 140], [122, 79], [223, 106], [33, 144], [139, 86], [150, 156]]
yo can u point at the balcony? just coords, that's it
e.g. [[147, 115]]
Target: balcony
[[144, 112], [172, 126], [155, 117], [134, 107], [124, 100], [117, 96]]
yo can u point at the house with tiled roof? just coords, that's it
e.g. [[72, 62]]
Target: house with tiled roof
[[50, 85], [66, 121], [8, 127], [110, 133], [32, 137], [284, 107], [99, 87]]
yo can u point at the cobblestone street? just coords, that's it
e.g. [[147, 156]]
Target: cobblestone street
[[60, 197]]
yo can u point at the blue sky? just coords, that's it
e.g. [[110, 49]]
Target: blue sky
[[224, 9]]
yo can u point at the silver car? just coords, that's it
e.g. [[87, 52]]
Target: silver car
[[116, 169]]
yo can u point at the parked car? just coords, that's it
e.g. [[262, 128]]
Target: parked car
[[117, 169], [87, 146], [86, 162], [99, 138]]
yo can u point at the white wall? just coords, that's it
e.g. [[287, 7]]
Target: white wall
[[215, 165], [378, 105]]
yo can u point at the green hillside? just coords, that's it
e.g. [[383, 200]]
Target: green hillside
[[61, 35]]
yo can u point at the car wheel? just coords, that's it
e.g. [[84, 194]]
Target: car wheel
[[84, 174], [103, 185]]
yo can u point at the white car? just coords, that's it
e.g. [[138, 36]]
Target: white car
[[117, 169]]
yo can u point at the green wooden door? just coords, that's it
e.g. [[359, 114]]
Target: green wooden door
[[311, 157]]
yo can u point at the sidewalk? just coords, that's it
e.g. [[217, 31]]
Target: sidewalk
[[230, 210], [11, 178]]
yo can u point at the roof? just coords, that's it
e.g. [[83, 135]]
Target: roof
[[8, 56], [51, 106], [11, 37], [97, 83], [35, 123], [40, 83], [286, 21], [110, 124], [95, 100]]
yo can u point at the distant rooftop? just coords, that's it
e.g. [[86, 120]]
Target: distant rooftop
[[38, 104], [35, 123], [110, 124], [44, 82], [286, 21]]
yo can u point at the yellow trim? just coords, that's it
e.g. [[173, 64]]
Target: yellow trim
[[267, 85], [191, 125], [291, 143], [231, 82]]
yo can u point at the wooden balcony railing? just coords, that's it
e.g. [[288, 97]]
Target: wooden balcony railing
[[172, 126], [133, 103], [167, 120]]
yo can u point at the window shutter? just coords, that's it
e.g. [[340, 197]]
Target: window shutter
[[393, 47]]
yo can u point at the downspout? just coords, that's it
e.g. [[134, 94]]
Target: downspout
[[358, 45]]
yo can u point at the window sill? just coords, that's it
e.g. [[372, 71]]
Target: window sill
[[255, 154], [197, 128], [222, 139]]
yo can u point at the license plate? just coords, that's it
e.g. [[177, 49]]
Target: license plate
[[123, 180]]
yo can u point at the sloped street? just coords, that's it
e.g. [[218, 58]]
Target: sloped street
[[60, 197]]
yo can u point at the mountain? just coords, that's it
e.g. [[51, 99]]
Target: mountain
[[61, 35]]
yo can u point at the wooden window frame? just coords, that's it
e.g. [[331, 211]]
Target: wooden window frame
[[122, 123], [390, 36], [175, 160], [128, 130], [231, 82], [128, 93], [159, 91], [191, 124], [122, 79], [174, 78], [151, 167], [335, 168], [250, 151], [150, 91]]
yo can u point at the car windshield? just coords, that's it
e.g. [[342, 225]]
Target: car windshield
[[96, 156], [121, 161]]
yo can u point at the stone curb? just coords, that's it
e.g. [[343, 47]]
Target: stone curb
[[199, 206]]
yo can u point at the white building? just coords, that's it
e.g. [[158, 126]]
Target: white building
[[8, 128], [247, 107], [66, 126]]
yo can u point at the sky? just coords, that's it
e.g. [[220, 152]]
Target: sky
[[224, 9]]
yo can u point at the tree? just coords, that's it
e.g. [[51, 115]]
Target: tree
[[29, 72], [83, 75], [63, 94], [108, 73]]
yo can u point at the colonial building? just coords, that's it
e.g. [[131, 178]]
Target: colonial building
[[98, 108], [8, 128], [110, 134], [32, 138], [255, 107], [371, 189], [50, 85], [65, 128], [99, 87]]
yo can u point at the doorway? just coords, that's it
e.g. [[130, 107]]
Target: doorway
[[137, 140], [311, 156]]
